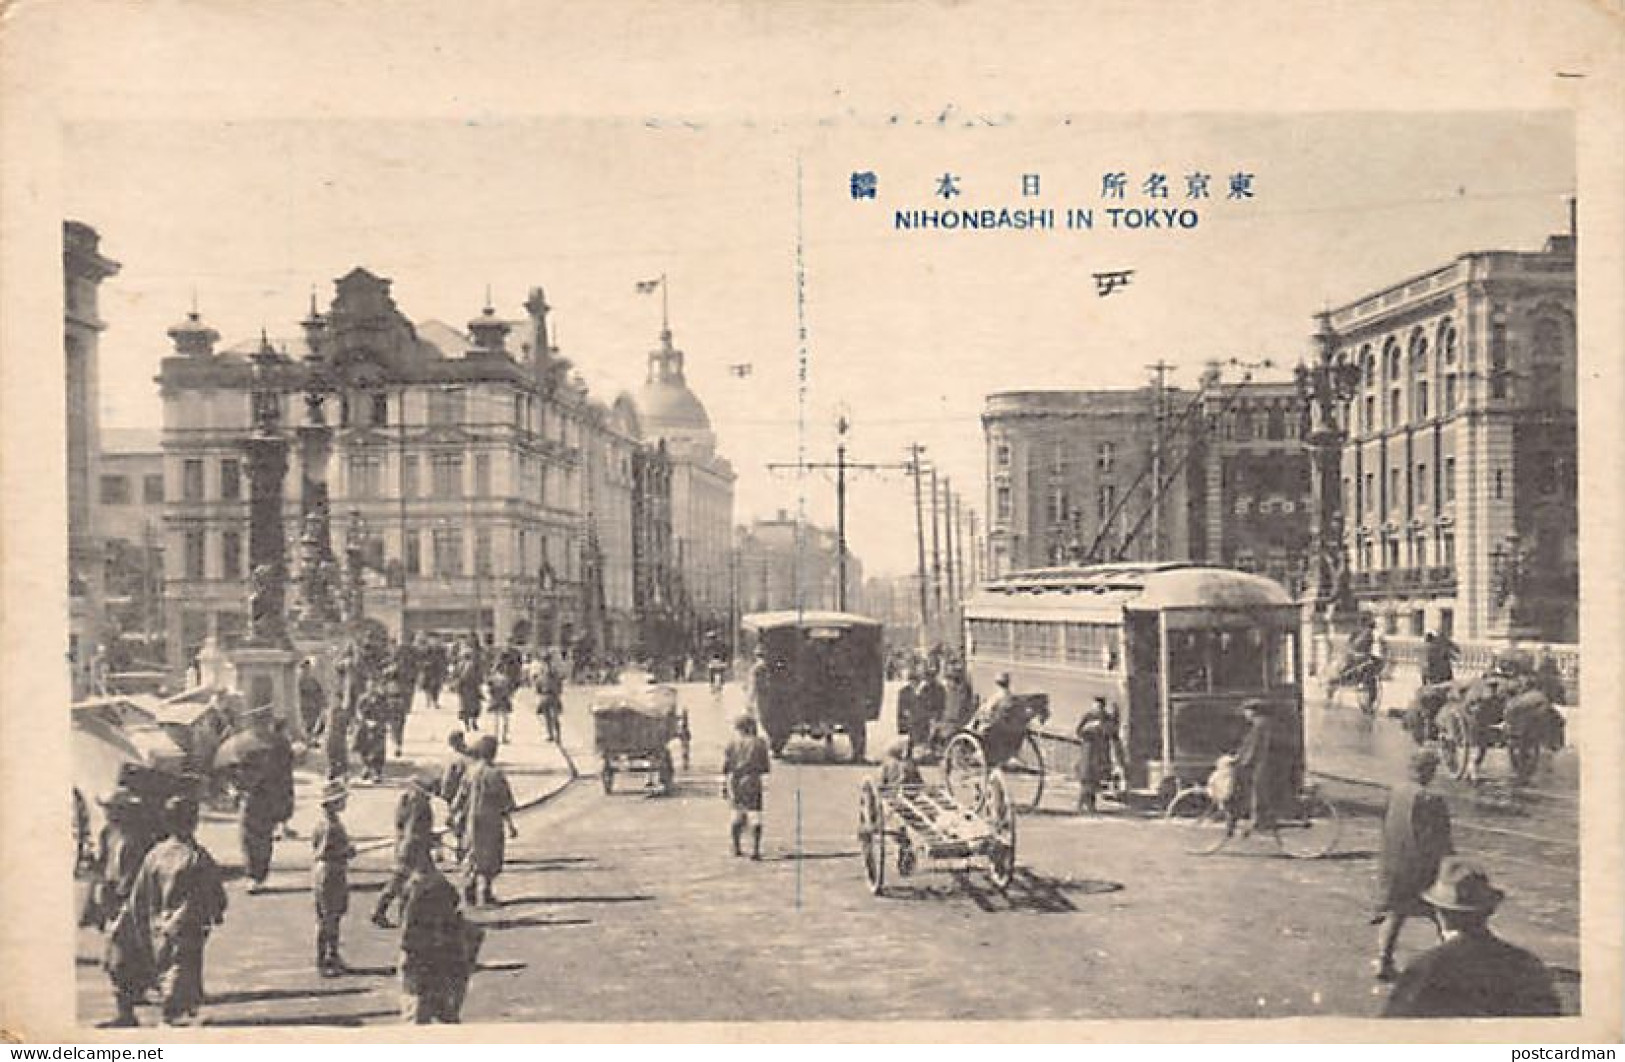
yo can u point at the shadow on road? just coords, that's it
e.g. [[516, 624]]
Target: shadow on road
[[550, 862], [808, 857], [515, 901], [345, 1020], [530, 923], [270, 995]]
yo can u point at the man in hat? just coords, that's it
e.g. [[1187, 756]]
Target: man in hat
[[266, 782], [414, 838], [899, 768], [1261, 767], [126, 837], [312, 698], [1415, 837], [744, 762], [438, 948], [1474, 973], [1439, 655], [329, 877], [177, 899], [908, 699], [930, 706], [1101, 750], [484, 807]]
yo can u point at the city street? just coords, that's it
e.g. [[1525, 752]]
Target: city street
[[626, 907]]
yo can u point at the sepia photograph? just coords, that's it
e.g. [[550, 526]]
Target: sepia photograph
[[940, 565]]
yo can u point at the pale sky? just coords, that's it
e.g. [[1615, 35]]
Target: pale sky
[[907, 332]]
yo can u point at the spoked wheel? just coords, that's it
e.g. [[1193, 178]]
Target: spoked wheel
[[1205, 825], [1314, 831], [964, 770], [1454, 751], [1024, 774], [1001, 815], [872, 837]]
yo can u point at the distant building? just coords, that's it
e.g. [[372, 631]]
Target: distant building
[[702, 492], [1072, 476], [84, 268], [1459, 476], [129, 515], [785, 564]]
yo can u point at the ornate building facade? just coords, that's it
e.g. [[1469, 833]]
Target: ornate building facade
[[1459, 475], [785, 564]]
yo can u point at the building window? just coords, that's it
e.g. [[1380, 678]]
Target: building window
[[1450, 397], [1500, 485], [1421, 551], [1447, 622], [1107, 501], [447, 407], [446, 471], [412, 553], [448, 552], [482, 475], [193, 549], [152, 488], [1368, 367], [1447, 343], [1057, 458], [1393, 488], [1418, 622], [115, 490], [192, 479], [1370, 413], [1390, 549], [380, 409], [409, 476], [1393, 408], [1057, 506], [1001, 455], [365, 475], [482, 551], [519, 411], [1421, 484], [1546, 364], [1421, 400], [1003, 501], [231, 479], [1449, 479], [1370, 490], [1447, 550], [1498, 361], [231, 555], [1106, 456]]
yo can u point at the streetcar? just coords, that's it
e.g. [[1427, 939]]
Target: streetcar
[[822, 674], [1177, 647]]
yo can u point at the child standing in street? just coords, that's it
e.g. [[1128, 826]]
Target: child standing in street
[[330, 878], [744, 763]]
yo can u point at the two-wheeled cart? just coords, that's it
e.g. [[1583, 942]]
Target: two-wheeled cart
[[927, 824]]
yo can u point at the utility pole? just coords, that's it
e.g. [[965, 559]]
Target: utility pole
[[975, 551], [936, 554], [959, 550], [1161, 368], [948, 544], [915, 468]]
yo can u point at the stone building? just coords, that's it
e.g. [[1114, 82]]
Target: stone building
[[129, 518], [456, 466], [84, 268], [1459, 474], [1071, 474], [702, 492], [785, 564]]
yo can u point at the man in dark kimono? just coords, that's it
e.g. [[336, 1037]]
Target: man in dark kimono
[[1439, 655], [177, 899], [930, 708], [908, 699], [312, 699], [414, 842], [468, 679], [744, 762], [1474, 973], [1415, 837], [431, 670], [1263, 765], [484, 805], [1101, 750], [438, 948], [267, 786]]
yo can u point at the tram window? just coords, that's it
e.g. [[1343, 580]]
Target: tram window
[[1238, 659], [1188, 662], [1279, 667]]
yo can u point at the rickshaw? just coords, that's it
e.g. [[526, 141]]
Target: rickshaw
[[819, 674], [1006, 741], [1504, 708]]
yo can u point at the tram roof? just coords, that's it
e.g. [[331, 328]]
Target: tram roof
[[1144, 587], [762, 621]]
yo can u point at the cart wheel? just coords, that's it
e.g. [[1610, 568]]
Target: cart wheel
[[964, 770], [1024, 775], [872, 837], [858, 735], [666, 773], [1207, 828], [1314, 832], [1454, 748], [1001, 813], [1524, 752], [608, 776]]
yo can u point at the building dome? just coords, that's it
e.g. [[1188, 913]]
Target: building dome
[[666, 407]]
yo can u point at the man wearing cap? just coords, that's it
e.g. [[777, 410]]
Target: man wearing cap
[[414, 841], [330, 877], [1474, 973], [744, 762], [1415, 837], [177, 899]]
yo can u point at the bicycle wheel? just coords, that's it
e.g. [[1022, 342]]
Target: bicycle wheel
[[1024, 775], [964, 770], [1205, 825], [1313, 831]]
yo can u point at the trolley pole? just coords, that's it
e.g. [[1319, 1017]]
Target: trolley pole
[[840, 515], [1161, 368]]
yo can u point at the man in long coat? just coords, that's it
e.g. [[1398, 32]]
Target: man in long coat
[[178, 898], [267, 788], [414, 841], [1415, 837], [1102, 748], [485, 807], [437, 948], [1262, 766]]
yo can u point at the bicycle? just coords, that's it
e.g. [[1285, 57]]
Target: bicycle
[[1306, 827]]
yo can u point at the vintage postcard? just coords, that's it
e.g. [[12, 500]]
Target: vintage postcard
[[813, 522]]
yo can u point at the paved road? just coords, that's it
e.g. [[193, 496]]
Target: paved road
[[627, 907]]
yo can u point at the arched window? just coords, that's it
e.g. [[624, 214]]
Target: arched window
[[1546, 364], [1368, 366], [1445, 342], [1418, 352]]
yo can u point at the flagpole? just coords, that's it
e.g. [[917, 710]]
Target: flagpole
[[665, 320]]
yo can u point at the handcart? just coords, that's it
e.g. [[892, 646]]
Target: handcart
[[633, 730], [926, 823]]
